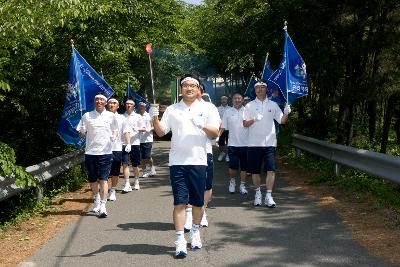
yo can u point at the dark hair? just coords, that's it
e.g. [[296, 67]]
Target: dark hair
[[237, 93]]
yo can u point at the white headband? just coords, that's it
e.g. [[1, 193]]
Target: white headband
[[101, 96], [113, 100], [129, 102], [190, 79], [260, 84]]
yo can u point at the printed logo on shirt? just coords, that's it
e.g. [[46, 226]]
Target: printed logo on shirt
[[269, 110]]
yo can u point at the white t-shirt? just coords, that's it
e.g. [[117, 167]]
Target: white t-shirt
[[262, 133], [213, 109], [188, 143], [222, 109], [131, 126], [98, 128], [117, 145], [233, 121], [145, 121]]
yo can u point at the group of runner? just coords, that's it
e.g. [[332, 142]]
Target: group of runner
[[112, 138]]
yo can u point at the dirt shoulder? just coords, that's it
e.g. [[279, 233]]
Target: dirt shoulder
[[374, 227]]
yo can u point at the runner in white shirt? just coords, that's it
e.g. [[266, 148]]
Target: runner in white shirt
[[210, 174], [259, 116], [132, 147], [146, 141], [100, 128], [223, 134], [237, 144], [191, 123], [113, 106]]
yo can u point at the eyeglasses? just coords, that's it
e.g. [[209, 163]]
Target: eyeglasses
[[191, 86]]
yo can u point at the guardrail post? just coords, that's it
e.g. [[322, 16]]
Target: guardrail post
[[39, 192], [297, 152], [337, 170]]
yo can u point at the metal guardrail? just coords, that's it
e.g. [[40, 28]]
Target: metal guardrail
[[378, 164], [42, 172]]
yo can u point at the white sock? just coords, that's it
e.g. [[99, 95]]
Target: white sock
[[269, 193], [242, 183], [180, 235], [258, 189], [188, 210], [195, 228], [233, 179]]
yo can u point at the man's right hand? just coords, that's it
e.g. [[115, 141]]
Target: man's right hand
[[154, 111], [258, 117], [128, 148]]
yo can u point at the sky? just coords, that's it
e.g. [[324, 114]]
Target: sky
[[197, 2]]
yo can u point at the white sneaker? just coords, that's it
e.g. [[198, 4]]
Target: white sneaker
[[227, 158], [195, 241], [103, 210], [112, 196], [232, 185], [136, 186], [221, 156], [242, 189], [127, 188], [153, 171], [269, 202], [96, 204], [181, 250], [204, 222], [145, 173], [257, 198], [188, 221]]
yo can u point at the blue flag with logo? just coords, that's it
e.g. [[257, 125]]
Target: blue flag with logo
[[83, 85], [250, 91], [136, 98], [291, 76]]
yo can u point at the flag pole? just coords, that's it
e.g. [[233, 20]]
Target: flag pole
[[127, 90], [77, 80], [287, 61], [152, 79]]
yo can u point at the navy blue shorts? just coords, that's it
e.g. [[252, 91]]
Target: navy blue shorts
[[134, 156], [188, 183], [223, 139], [256, 156], [237, 158], [145, 150], [98, 167], [116, 163], [210, 171]]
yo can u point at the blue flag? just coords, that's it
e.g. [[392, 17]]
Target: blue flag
[[136, 98], [267, 70], [83, 84], [250, 91], [291, 76]]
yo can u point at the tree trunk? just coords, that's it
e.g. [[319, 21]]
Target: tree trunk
[[371, 120], [386, 123], [397, 130]]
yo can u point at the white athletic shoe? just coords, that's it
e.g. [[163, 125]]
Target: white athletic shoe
[[103, 210], [257, 198], [145, 173], [181, 250], [195, 240], [153, 171], [269, 202], [227, 158], [96, 204], [232, 185], [188, 221], [112, 196], [127, 188], [242, 189], [204, 221], [136, 186], [221, 156]]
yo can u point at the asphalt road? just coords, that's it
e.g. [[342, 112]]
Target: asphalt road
[[139, 230]]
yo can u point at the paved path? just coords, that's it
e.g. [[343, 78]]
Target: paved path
[[139, 232]]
